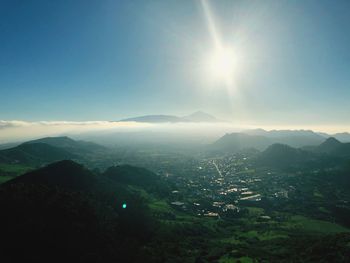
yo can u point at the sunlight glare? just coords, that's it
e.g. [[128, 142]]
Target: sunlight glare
[[221, 64]]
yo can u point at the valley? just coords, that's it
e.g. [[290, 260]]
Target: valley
[[225, 207]]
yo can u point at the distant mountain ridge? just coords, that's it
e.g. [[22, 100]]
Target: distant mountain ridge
[[49, 149], [307, 141], [232, 142], [295, 138], [73, 146], [316, 136], [329, 153], [34, 154], [261, 139], [197, 116]]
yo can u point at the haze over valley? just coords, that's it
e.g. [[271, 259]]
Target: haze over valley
[[187, 131]]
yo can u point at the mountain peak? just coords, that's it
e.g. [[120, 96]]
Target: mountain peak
[[67, 174], [342, 137], [331, 141], [329, 145]]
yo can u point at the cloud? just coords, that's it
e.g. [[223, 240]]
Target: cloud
[[17, 130], [22, 130], [10, 124]]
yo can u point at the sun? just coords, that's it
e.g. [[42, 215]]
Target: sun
[[221, 64]]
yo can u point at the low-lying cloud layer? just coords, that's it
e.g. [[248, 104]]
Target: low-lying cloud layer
[[23, 130], [16, 130]]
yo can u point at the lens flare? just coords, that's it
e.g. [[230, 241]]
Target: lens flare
[[220, 64]]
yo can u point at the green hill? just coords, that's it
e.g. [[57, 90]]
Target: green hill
[[73, 146], [64, 212], [34, 154], [283, 156], [64, 174]]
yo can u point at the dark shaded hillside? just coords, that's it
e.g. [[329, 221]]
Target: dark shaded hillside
[[136, 176], [65, 213], [283, 156], [332, 147], [64, 174], [329, 154], [127, 174], [329, 145], [34, 154]]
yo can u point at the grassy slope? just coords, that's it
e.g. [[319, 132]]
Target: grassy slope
[[9, 171]]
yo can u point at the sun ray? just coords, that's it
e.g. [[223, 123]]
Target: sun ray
[[220, 63]]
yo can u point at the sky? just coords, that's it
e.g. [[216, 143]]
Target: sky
[[107, 60]]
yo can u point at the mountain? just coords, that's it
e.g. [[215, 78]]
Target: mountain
[[63, 212], [8, 145], [198, 116], [283, 156], [50, 149], [64, 174], [233, 142], [282, 133], [73, 146], [260, 139], [343, 137], [154, 118], [331, 146], [127, 174], [137, 176], [34, 154], [294, 138]]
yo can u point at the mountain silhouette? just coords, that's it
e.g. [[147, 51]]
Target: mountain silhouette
[[343, 137], [63, 212], [283, 156], [198, 116], [329, 145], [154, 118], [65, 174], [332, 147]]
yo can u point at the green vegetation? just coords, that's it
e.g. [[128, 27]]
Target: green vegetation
[[16, 169], [191, 210], [5, 178], [313, 225], [10, 171]]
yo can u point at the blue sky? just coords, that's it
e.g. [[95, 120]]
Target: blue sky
[[106, 60]]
